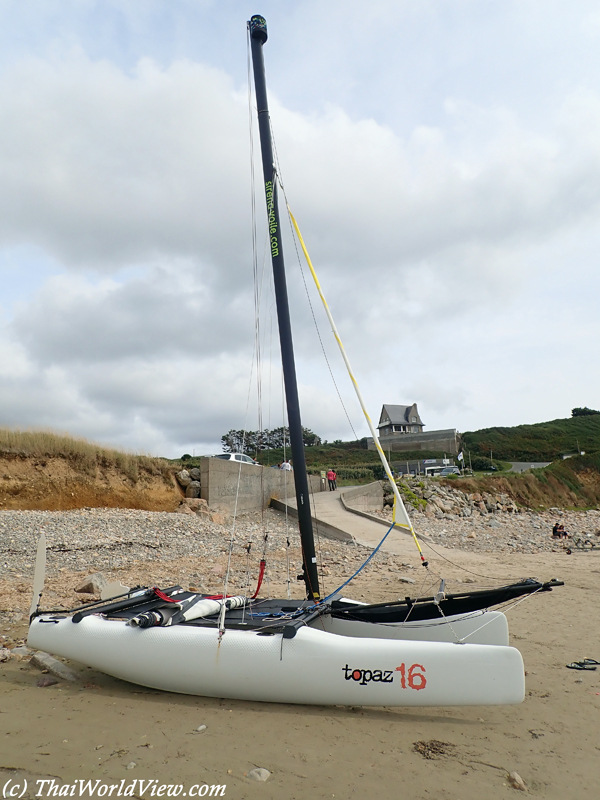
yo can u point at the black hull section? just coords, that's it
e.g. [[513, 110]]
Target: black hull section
[[426, 608]]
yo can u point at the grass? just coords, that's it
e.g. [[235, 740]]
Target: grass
[[85, 456], [544, 441]]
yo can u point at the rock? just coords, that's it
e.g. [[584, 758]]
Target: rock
[[200, 729], [5, 654], [114, 589], [193, 489], [516, 781], [46, 680], [195, 503], [183, 509], [259, 774], [183, 478], [218, 518], [93, 584], [402, 579], [195, 474], [21, 652], [55, 667], [131, 765]]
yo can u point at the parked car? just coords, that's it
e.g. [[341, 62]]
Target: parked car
[[449, 471], [237, 457]]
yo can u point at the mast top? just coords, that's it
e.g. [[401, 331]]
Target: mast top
[[258, 28]]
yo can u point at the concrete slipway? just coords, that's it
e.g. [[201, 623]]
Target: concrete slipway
[[346, 514]]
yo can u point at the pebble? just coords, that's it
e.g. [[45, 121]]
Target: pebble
[[516, 781], [259, 774], [200, 729], [46, 680], [97, 540], [22, 651], [131, 765]]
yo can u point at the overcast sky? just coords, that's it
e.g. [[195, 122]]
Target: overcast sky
[[442, 159]]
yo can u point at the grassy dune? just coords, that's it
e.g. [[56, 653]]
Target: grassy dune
[[83, 455]]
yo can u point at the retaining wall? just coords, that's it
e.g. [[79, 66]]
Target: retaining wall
[[364, 498], [257, 485]]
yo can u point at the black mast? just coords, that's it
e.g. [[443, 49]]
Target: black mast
[[258, 36]]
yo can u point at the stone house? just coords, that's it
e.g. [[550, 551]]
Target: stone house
[[399, 420]]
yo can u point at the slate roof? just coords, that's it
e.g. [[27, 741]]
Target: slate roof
[[400, 415]]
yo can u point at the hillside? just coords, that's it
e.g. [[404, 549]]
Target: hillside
[[46, 471], [543, 441], [574, 483]]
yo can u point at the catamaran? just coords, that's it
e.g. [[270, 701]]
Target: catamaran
[[446, 649]]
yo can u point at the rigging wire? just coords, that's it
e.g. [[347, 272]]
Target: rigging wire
[[256, 345], [312, 311], [464, 569]]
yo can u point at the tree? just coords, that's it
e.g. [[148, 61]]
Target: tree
[[583, 412], [254, 441], [309, 438], [234, 441], [186, 457]]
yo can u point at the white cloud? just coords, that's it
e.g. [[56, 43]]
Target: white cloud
[[431, 244]]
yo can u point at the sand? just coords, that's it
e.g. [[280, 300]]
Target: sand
[[95, 730]]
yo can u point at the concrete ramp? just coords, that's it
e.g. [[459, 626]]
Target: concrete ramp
[[335, 519]]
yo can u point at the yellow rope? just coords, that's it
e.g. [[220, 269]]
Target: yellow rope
[[399, 507]]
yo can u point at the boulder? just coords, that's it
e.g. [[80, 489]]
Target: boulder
[[92, 584], [193, 489], [183, 509], [195, 503], [195, 474], [54, 667], [183, 478]]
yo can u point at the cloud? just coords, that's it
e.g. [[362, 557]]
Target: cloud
[[105, 169], [134, 186]]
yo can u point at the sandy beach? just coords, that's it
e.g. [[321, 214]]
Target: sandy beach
[[97, 728]]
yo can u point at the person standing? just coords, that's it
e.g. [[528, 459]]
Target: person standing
[[332, 478]]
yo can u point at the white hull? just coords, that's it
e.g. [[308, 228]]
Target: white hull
[[478, 627], [315, 667]]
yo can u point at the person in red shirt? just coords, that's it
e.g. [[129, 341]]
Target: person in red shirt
[[332, 478]]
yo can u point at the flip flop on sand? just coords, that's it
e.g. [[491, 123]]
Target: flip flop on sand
[[590, 661], [580, 665]]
